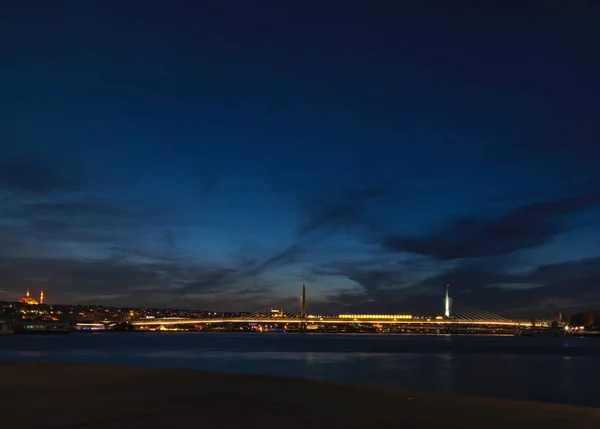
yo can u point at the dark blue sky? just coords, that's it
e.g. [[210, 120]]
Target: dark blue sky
[[215, 154]]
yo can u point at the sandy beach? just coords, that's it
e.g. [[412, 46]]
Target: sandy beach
[[44, 395]]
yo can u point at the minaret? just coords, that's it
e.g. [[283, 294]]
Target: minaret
[[447, 303], [41, 297], [27, 293], [303, 303]]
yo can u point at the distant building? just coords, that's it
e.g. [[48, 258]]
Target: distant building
[[275, 312], [587, 318], [27, 299]]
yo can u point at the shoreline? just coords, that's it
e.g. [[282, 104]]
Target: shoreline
[[51, 395]]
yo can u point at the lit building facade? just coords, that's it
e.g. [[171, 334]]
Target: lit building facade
[[27, 299]]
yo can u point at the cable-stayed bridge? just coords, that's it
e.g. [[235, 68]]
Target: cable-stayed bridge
[[455, 314]]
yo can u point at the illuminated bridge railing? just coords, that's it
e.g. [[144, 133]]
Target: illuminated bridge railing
[[334, 320], [376, 316]]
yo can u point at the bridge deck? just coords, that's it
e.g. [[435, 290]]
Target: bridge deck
[[330, 321]]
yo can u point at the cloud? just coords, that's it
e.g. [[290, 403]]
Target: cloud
[[213, 280], [491, 287], [325, 215], [76, 220], [255, 290], [574, 132], [71, 209], [169, 237], [372, 276], [48, 225], [70, 280], [384, 286], [381, 286], [126, 269], [86, 211], [342, 211], [33, 176], [288, 256], [473, 237], [72, 276]]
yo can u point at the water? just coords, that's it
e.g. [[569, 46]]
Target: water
[[561, 370]]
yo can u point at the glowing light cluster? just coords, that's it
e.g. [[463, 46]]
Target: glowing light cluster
[[375, 316]]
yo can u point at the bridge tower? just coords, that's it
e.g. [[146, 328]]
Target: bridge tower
[[447, 303], [303, 302]]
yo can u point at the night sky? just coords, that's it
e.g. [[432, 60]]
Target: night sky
[[215, 154]]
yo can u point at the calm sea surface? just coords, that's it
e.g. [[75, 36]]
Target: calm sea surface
[[563, 370]]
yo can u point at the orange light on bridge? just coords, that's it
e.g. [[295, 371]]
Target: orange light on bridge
[[376, 316]]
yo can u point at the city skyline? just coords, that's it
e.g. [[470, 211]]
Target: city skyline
[[376, 153]]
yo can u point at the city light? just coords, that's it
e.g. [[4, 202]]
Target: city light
[[376, 316]]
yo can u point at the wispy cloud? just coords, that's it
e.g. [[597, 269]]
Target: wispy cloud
[[468, 237], [33, 175]]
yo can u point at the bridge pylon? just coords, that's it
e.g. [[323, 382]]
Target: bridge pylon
[[447, 303], [303, 309], [303, 302]]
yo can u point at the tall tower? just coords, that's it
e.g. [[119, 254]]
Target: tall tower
[[27, 293], [41, 297], [447, 303], [303, 302]]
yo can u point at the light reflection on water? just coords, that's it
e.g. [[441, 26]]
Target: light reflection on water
[[309, 358], [549, 369], [30, 354]]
